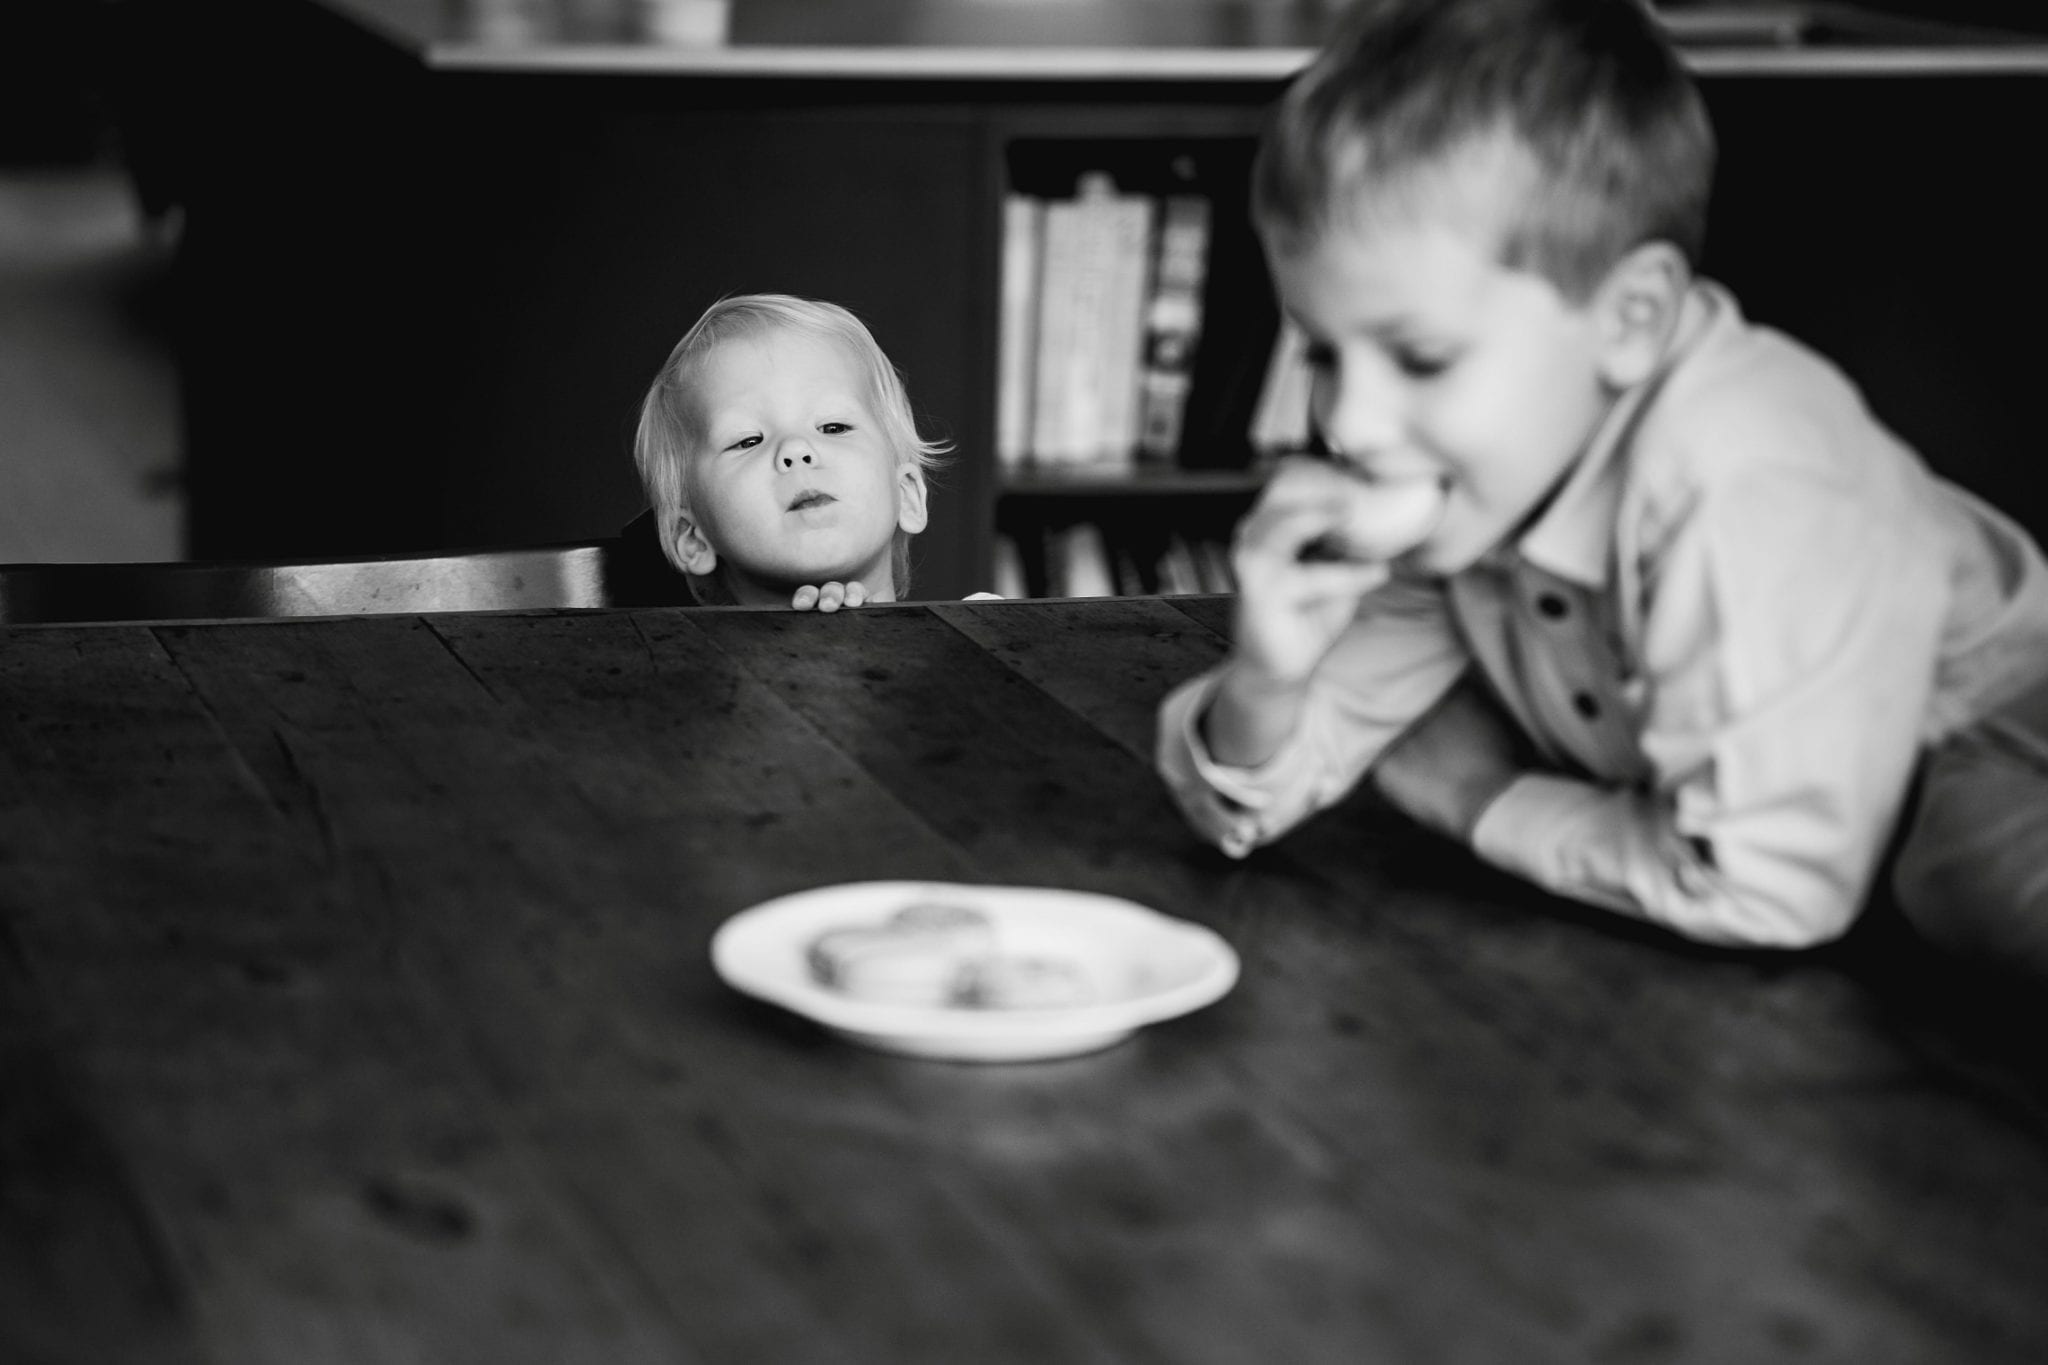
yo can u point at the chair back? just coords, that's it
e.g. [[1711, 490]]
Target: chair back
[[583, 574]]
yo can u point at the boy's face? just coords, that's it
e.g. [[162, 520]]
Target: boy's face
[[796, 482], [1430, 359]]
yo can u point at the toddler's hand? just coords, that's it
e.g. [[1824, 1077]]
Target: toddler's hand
[[830, 597], [1289, 612]]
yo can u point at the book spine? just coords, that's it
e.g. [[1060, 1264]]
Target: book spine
[[1077, 562], [1085, 402], [1017, 340], [1212, 567], [1133, 221], [1010, 579], [1178, 575], [1173, 327], [1058, 298]]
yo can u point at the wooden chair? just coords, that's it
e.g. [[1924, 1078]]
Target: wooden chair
[[626, 571]]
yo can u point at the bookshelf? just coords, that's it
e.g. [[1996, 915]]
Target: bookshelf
[[1856, 212], [1135, 338]]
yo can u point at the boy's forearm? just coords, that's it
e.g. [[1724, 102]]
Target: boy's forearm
[[1251, 715], [1450, 765]]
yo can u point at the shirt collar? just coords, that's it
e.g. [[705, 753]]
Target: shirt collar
[[1573, 538]]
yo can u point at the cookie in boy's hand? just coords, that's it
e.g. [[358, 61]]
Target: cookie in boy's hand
[[1387, 518]]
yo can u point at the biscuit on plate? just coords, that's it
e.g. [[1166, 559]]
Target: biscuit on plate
[[1016, 981], [915, 957]]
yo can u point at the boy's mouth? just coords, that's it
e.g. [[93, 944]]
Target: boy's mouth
[[809, 498]]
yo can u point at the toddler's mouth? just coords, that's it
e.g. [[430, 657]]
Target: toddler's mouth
[[809, 498]]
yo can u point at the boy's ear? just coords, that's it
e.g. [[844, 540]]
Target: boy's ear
[[910, 500], [693, 551], [1637, 308]]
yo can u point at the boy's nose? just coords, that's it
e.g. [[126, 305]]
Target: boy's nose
[[1361, 414], [794, 455]]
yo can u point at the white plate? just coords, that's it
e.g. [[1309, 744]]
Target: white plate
[[1143, 967]]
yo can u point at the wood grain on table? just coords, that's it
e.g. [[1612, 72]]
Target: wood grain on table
[[355, 1006]]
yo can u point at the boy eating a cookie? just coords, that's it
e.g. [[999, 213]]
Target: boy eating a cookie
[[1634, 597]]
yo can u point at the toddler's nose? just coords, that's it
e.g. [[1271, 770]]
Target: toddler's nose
[[794, 454]]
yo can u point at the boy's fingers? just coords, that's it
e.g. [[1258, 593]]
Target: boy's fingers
[[831, 597], [1290, 575], [806, 598], [1340, 578], [856, 593], [1280, 531]]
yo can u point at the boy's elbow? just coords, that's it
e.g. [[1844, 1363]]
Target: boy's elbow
[[1796, 935], [1752, 919]]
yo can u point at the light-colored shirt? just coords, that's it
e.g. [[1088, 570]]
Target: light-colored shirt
[[1730, 633]]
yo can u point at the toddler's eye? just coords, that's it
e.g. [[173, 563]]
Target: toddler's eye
[[835, 428], [745, 443]]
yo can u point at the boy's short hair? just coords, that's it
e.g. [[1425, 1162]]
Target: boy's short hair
[[1608, 132], [671, 424]]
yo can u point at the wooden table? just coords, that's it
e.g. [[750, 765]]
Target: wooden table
[[355, 1006]]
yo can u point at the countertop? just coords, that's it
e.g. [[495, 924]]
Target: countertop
[[1084, 40]]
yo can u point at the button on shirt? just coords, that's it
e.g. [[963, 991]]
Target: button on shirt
[[1729, 635]]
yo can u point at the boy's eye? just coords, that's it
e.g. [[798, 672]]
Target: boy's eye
[[745, 443], [1420, 364], [835, 428]]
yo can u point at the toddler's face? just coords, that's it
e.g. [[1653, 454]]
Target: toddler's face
[[796, 482], [1430, 359]]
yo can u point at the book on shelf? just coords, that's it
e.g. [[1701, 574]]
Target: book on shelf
[[1212, 566], [1057, 332], [1077, 562], [1100, 316], [1173, 326], [1017, 338], [1010, 580], [1083, 409], [1132, 580], [1178, 575], [1131, 222]]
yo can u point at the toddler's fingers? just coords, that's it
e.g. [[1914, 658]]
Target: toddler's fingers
[[806, 598], [831, 597], [856, 593]]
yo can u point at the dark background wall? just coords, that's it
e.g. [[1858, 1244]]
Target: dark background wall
[[417, 310]]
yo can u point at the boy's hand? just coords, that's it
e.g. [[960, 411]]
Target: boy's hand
[[830, 597], [1289, 612], [1446, 768]]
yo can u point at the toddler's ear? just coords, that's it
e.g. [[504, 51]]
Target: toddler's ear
[[910, 500], [1637, 308], [693, 551]]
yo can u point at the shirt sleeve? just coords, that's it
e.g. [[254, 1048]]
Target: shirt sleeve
[[1791, 622], [1398, 656]]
